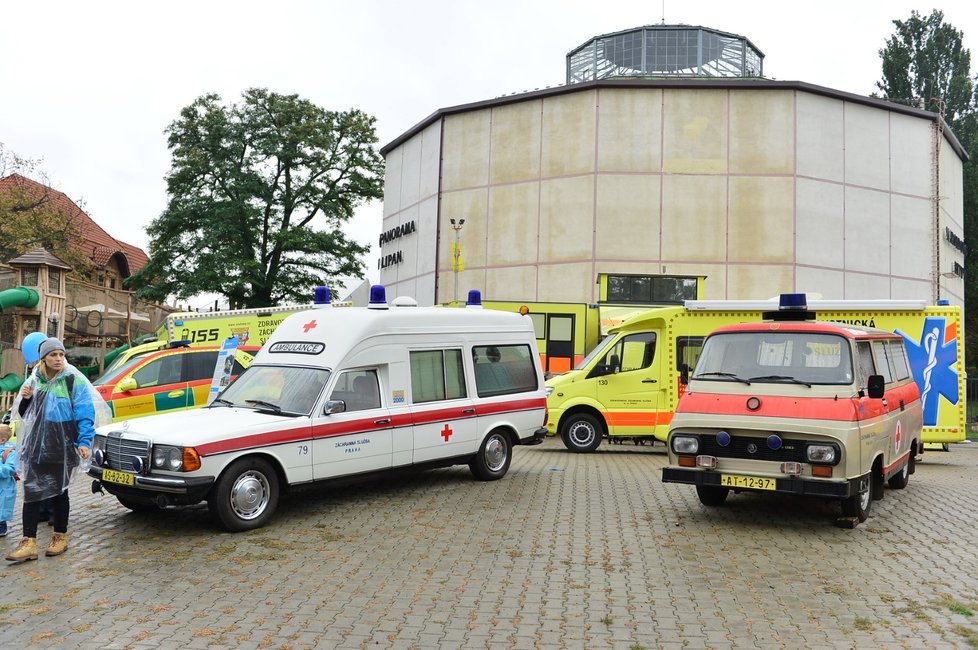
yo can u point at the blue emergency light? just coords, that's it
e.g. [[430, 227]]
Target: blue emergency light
[[474, 299], [793, 302], [321, 295], [378, 297], [791, 307]]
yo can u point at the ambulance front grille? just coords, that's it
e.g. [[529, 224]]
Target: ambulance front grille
[[741, 447], [120, 451]]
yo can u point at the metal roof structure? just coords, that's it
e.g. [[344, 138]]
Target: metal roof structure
[[665, 51]]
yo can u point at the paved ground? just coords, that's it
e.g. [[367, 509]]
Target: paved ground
[[576, 551]]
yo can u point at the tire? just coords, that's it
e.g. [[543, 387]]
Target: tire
[[899, 480], [136, 506], [711, 495], [858, 505], [582, 433], [492, 460], [913, 459], [246, 495]]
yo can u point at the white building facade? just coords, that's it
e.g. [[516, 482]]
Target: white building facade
[[761, 186]]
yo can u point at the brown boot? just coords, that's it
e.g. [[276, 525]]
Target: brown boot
[[59, 544], [26, 550]]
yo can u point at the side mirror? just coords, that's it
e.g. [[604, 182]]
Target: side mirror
[[684, 374], [334, 406], [126, 385], [875, 386]]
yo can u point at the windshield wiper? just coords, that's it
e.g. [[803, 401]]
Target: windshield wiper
[[221, 400], [781, 378], [268, 406], [729, 375]]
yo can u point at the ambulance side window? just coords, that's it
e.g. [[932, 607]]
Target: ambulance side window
[[688, 350], [896, 353], [504, 369], [882, 365], [866, 365], [436, 375], [359, 389], [637, 351]]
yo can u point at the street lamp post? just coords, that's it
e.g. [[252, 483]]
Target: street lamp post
[[456, 253]]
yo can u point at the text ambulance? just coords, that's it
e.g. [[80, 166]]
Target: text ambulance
[[337, 393], [798, 406], [629, 385]]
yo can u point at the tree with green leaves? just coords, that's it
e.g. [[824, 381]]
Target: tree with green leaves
[[925, 63], [258, 194]]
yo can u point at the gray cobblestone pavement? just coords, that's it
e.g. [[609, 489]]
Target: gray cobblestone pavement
[[567, 551]]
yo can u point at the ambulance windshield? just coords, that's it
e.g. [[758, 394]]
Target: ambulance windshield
[[776, 357], [278, 389]]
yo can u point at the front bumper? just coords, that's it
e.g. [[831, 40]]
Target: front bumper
[[785, 484], [169, 490]]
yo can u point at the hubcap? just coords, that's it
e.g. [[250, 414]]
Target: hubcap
[[495, 453], [249, 495], [582, 434], [864, 499]]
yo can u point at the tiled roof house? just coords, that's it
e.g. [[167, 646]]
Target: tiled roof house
[[114, 260]]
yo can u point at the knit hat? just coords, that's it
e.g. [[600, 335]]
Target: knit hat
[[49, 345]]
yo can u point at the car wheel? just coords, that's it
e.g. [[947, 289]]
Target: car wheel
[[899, 480], [858, 504], [582, 433], [136, 506], [711, 495], [492, 460], [246, 495]]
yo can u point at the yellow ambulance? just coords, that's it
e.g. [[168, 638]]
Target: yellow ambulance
[[627, 388]]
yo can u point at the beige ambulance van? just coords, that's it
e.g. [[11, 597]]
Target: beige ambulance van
[[797, 406], [336, 393]]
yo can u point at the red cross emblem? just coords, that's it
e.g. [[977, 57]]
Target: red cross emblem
[[446, 433], [897, 438], [308, 326]]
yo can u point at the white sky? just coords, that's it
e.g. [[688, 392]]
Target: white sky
[[89, 87]]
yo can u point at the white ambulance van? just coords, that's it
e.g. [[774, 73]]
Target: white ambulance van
[[339, 392], [798, 406]]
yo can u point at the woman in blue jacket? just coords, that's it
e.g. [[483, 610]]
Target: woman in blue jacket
[[59, 410]]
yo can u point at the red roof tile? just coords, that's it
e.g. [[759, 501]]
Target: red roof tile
[[96, 243]]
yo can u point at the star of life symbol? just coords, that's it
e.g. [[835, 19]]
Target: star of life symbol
[[932, 360]]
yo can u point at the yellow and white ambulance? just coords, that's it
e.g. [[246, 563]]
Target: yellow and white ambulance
[[335, 393], [798, 406], [628, 387]]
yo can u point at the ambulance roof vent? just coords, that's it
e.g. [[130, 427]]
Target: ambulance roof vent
[[474, 299], [404, 301], [378, 297], [321, 296]]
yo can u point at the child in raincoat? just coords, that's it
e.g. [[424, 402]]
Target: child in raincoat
[[8, 483]]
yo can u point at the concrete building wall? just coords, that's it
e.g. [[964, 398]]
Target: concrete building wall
[[762, 190]]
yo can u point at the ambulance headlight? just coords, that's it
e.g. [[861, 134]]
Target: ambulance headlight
[[685, 444], [168, 458], [825, 454]]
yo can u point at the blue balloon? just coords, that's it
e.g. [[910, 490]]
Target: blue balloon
[[30, 346]]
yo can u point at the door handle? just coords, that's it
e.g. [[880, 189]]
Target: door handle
[[468, 411], [650, 381], [383, 421]]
